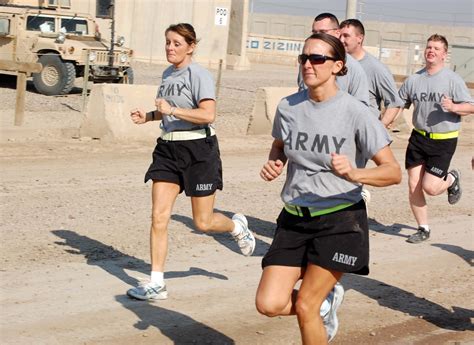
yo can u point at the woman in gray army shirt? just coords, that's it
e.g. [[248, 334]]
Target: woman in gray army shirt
[[186, 156], [324, 136]]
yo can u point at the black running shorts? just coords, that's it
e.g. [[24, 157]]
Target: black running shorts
[[337, 241], [195, 165], [435, 154]]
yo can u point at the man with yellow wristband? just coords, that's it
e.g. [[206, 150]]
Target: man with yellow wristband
[[439, 97]]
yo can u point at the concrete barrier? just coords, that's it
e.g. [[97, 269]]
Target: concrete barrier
[[266, 102], [108, 113]]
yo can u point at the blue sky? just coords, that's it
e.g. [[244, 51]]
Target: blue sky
[[435, 12]]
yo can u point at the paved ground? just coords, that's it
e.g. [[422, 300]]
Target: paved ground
[[74, 236]]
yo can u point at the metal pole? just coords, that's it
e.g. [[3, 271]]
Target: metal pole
[[219, 74], [112, 32], [351, 8], [86, 80]]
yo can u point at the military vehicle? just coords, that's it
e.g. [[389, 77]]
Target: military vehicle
[[68, 45]]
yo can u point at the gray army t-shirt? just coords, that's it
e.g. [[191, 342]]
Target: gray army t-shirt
[[185, 88], [381, 85], [354, 82], [425, 92], [311, 131]]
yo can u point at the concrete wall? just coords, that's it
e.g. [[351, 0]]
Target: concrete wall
[[279, 39]]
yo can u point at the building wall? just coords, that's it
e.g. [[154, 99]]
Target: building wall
[[279, 39], [143, 23]]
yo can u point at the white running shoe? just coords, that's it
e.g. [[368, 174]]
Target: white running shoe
[[147, 290], [330, 320], [245, 239]]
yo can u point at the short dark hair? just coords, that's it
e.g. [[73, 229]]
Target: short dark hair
[[439, 38], [184, 29], [355, 23], [337, 49], [325, 15]]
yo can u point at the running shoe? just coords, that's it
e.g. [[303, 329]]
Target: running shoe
[[330, 320], [366, 196], [245, 239], [421, 235], [455, 191], [147, 290]]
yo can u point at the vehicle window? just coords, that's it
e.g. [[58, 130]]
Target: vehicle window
[[74, 26], [4, 26], [40, 23]]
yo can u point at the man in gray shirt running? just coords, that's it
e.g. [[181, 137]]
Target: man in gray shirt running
[[355, 81], [381, 83], [439, 97]]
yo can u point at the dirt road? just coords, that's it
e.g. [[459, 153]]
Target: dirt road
[[74, 237]]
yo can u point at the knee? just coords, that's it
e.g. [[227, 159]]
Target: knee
[[413, 186], [159, 222], [305, 310], [430, 189], [268, 307], [202, 224]]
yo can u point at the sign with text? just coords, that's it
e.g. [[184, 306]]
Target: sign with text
[[274, 45], [222, 14]]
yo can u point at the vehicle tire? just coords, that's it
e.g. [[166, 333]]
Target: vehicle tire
[[57, 76], [127, 76]]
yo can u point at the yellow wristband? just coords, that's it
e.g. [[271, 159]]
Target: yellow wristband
[[172, 111]]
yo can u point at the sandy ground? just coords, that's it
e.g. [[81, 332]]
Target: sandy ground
[[74, 236]]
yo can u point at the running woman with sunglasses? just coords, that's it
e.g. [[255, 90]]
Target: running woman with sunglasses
[[186, 157], [323, 135], [439, 97], [355, 80]]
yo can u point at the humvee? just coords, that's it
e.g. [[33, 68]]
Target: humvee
[[64, 43]]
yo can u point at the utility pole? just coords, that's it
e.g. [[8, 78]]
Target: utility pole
[[112, 32], [351, 8]]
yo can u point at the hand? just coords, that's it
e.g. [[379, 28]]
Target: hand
[[447, 104], [271, 170], [342, 166], [163, 106], [138, 116]]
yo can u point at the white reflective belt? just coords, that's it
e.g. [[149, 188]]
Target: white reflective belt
[[186, 135]]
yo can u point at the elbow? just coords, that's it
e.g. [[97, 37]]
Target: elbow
[[397, 175], [209, 117]]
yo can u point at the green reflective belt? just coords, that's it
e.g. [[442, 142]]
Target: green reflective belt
[[313, 211], [438, 136]]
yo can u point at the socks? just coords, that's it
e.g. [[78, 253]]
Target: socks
[[157, 277], [425, 227], [237, 228]]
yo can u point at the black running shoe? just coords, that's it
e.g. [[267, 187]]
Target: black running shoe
[[455, 191], [421, 235]]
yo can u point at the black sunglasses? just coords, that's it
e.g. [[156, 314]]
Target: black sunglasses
[[314, 59]]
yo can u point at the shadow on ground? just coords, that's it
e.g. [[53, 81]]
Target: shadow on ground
[[465, 254], [9, 82], [258, 226], [459, 319], [116, 262], [179, 328], [393, 229]]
